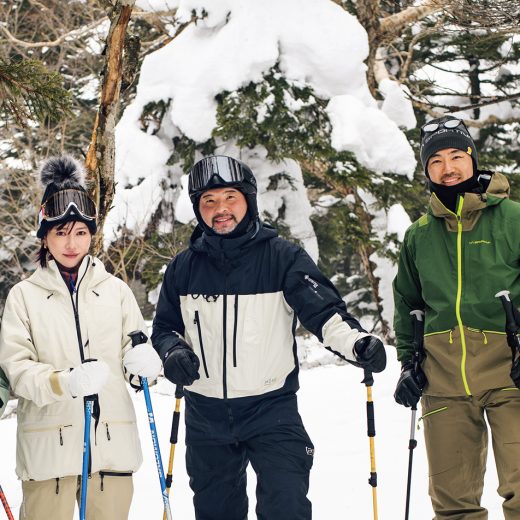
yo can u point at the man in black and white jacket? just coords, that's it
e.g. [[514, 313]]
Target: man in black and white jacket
[[225, 328]]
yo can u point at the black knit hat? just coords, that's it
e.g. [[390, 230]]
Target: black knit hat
[[455, 135], [65, 198]]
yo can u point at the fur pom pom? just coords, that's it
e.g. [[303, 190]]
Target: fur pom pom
[[64, 172]]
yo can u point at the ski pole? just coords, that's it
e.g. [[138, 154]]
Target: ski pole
[[89, 404], [368, 380], [418, 316], [6, 505], [512, 320], [138, 337], [89, 407], [173, 437], [512, 327]]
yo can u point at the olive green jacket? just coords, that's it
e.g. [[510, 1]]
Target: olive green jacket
[[4, 391], [451, 266]]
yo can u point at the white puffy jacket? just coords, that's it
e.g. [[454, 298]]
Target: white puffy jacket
[[39, 339]]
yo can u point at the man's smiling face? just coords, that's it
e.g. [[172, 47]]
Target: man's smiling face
[[222, 209], [450, 166]]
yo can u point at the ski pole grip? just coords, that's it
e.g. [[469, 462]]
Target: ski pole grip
[[371, 422], [138, 337], [418, 325], [511, 324], [175, 427]]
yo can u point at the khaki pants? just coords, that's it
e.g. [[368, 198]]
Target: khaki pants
[[108, 497], [456, 438]]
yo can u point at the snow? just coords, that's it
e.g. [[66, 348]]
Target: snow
[[397, 105], [332, 404], [370, 135], [315, 43]]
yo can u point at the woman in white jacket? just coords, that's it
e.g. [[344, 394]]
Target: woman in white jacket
[[68, 312]]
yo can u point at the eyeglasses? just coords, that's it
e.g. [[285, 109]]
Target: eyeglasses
[[65, 202], [225, 168], [428, 128]]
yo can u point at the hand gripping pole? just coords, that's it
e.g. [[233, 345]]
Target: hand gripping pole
[[138, 337]]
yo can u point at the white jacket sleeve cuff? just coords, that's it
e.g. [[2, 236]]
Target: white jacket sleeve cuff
[[340, 337]]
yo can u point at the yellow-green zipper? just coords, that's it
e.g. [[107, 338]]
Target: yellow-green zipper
[[430, 413], [459, 294]]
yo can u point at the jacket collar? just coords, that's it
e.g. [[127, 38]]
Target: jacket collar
[[91, 272], [473, 204]]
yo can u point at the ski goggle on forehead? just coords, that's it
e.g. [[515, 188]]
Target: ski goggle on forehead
[[227, 169], [64, 202], [428, 128]]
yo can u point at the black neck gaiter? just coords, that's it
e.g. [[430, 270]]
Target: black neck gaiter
[[448, 194]]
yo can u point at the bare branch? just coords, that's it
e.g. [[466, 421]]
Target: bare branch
[[393, 25], [76, 33]]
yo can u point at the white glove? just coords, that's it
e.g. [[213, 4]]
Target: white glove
[[142, 360], [88, 378]]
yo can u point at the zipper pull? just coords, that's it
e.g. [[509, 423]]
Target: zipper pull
[[108, 433], [61, 438]]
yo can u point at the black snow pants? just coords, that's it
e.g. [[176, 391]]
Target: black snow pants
[[270, 435]]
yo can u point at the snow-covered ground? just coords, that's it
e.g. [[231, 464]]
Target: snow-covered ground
[[332, 404]]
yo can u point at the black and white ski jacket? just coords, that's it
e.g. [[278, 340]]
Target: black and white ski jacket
[[236, 302]]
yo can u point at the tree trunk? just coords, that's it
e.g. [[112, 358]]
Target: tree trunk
[[368, 13], [100, 161]]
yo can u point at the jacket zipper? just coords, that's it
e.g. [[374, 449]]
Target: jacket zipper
[[199, 330], [430, 413], [49, 428], [107, 430], [235, 332], [224, 337], [103, 474], [459, 295], [75, 307]]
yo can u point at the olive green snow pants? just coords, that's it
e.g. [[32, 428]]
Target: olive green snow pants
[[108, 497], [456, 438]]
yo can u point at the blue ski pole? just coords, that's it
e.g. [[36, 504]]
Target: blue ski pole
[[89, 404], [138, 337], [89, 407]]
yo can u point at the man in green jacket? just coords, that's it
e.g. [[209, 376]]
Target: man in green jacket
[[4, 391], [453, 261]]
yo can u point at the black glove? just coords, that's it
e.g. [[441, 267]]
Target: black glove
[[410, 385], [181, 365], [370, 353]]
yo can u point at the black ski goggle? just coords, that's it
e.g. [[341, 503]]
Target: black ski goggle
[[225, 169], [63, 202], [429, 128]]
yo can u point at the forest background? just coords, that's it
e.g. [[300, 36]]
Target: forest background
[[70, 71]]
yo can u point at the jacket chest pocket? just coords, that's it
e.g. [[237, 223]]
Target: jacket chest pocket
[[203, 317], [196, 321]]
